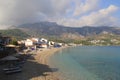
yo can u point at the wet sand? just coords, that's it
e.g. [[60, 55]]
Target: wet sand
[[37, 67]]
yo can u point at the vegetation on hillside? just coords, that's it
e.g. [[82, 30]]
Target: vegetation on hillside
[[104, 37], [53, 29], [16, 33]]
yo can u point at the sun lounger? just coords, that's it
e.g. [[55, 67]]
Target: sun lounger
[[10, 69], [13, 71]]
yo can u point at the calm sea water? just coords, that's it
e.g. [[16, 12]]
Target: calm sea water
[[88, 63]]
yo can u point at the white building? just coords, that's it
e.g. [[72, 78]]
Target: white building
[[28, 43], [35, 40], [43, 45], [43, 40], [51, 43]]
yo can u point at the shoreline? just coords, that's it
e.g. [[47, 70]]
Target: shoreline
[[45, 59], [37, 67]]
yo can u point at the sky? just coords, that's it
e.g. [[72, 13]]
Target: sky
[[74, 13]]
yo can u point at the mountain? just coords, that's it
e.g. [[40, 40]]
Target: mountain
[[45, 28], [53, 29]]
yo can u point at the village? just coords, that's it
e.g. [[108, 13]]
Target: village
[[12, 57], [28, 44]]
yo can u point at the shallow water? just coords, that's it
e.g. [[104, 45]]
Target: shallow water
[[88, 63]]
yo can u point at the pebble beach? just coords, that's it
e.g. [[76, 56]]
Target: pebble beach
[[37, 67]]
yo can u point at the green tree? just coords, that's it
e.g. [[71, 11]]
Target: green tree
[[14, 41]]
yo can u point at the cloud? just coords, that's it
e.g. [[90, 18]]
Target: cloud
[[109, 10], [24, 11], [102, 17], [2, 27], [84, 7], [64, 12]]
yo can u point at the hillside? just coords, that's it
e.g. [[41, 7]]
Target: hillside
[[50, 28], [59, 33], [19, 34]]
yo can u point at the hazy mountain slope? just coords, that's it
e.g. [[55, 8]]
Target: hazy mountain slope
[[48, 28]]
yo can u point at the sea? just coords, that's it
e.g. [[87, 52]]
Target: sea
[[88, 63]]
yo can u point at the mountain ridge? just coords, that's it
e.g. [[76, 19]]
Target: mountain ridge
[[52, 28]]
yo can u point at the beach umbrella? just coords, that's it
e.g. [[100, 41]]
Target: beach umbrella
[[9, 58]]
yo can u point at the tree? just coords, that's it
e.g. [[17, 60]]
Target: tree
[[14, 41]]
